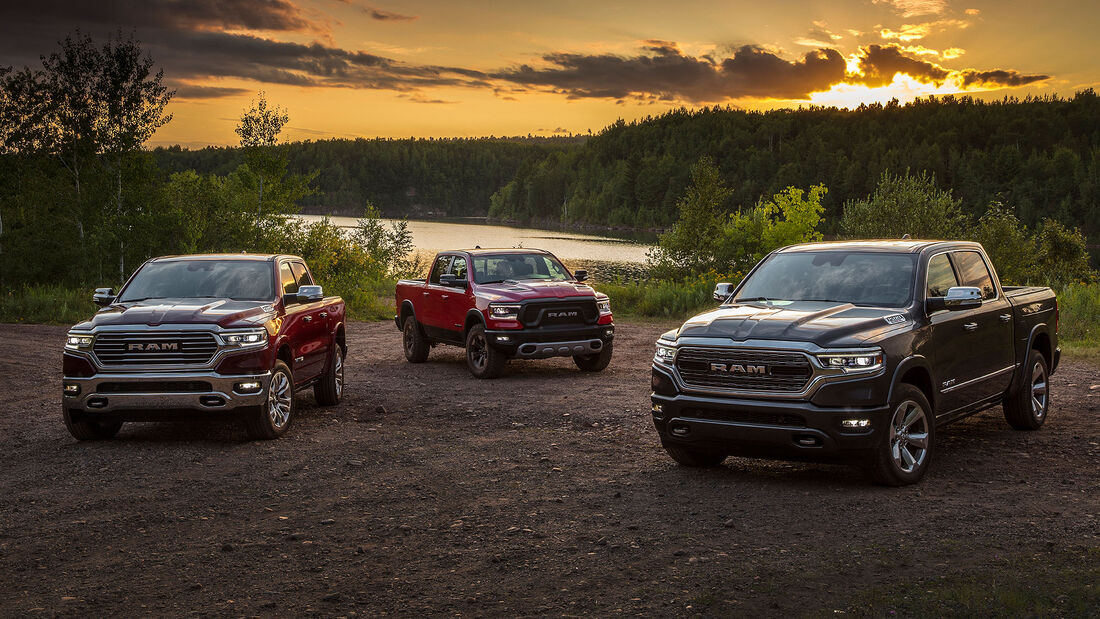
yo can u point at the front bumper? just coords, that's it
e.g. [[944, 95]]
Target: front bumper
[[161, 395], [544, 342]]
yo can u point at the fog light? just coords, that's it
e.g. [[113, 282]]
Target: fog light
[[855, 423], [251, 386], [658, 408], [609, 332], [504, 338], [72, 389]]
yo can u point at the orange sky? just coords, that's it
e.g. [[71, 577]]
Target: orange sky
[[346, 68]]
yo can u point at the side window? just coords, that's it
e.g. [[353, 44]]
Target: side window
[[286, 279], [458, 267], [439, 268], [974, 272], [301, 274], [940, 276]]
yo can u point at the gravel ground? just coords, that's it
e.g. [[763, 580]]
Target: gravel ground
[[543, 492]]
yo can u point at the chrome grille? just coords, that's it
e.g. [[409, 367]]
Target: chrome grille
[[155, 348], [787, 372]]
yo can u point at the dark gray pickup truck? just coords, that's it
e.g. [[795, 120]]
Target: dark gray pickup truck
[[855, 352]]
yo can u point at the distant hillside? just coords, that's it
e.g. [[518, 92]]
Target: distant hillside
[[415, 177], [1040, 156]]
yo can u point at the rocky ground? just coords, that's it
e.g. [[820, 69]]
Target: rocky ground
[[543, 492]]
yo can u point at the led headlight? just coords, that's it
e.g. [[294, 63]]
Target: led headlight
[[664, 354], [853, 362], [249, 339], [604, 306], [504, 312], [76, 341]]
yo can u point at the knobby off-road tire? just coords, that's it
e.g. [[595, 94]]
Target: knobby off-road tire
[[415, 344], [1027, 409], [330, 388], [905, 446], [276, 415], [695, 458], [90, 430], [595, 362], [483, 360]]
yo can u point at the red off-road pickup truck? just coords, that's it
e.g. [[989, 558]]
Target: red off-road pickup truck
[[505, 303], [205, 336]]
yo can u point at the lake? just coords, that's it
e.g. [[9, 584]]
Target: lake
[[603, 256]]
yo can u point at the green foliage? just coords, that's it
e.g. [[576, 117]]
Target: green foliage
[[905, 204], [676, 299], [1008, 245], [49, 304], [1062, 254], [1079, 307]]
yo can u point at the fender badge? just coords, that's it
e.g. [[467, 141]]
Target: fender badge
[[894, 319]]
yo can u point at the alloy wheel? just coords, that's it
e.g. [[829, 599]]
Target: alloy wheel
[[479, 353], [909, 436], [338, 373], [279, 400], [1040, 391]]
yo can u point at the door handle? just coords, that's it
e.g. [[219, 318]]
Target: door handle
[[426, 293], [446, 296], [970, 326], [1006, 317], [308, 319], [323, 314]]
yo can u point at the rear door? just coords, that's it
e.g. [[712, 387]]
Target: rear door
[[992, 355]]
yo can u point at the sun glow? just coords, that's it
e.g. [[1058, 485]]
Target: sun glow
[[903, 88]]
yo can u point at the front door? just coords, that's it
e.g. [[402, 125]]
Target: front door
[[300, 326]]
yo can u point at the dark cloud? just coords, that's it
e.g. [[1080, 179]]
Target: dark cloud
[[197, 91], [879, 63], [998, 77], [381, 15]]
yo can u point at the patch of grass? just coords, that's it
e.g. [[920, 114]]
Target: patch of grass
[[1079, 306], [662, 298], [47, 305]]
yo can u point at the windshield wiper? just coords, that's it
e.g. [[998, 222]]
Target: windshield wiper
[[824, 300], [750, 299]]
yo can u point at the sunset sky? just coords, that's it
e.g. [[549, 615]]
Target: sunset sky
[[347, 68]]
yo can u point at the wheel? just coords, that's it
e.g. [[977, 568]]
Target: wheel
[[1027, 408], [483, 360], [594, 362], [416, 345], [905, 448], [275, 416], [331, 386], [695, 458], [90, 430]]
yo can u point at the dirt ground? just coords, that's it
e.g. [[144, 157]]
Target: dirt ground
[[543, 492]]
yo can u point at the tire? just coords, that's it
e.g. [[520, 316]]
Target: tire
[[483, 360], [330, 388], [90, 430], [275, 417], [695, 458], [415, 344], [594, 362], [905, 448], [1027, 409]]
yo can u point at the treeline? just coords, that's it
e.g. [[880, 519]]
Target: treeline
[[452, 177], [1040, 157]]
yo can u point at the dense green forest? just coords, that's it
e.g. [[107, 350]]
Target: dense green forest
[[406, 177], [1039, 157]]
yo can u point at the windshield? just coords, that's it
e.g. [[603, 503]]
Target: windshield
[[874, 279], [494, 268], [240, 280]]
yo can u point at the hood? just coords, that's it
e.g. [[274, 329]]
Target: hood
[[511, 290], [225, 313], [826, 324]]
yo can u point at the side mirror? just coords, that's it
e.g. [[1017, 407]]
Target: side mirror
[[580, 275], [723, 291], [103, 296], [310, 294], [958, 298], [451, 281]]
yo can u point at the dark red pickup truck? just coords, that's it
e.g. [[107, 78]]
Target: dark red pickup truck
[[204, 336], [505, 303]]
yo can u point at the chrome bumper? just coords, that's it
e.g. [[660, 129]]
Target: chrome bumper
[[222, 394]]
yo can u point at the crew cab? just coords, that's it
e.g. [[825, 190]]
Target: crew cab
[[505, 303], [205, 336], [854, 351]]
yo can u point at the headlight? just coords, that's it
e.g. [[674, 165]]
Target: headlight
[[75, 341], [853, 362], [504, 312], [250, 339], [664, 354], [604, 306]]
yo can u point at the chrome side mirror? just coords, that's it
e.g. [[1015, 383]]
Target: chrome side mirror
[[723, 291], [962, 298], [104, 296], [310, 294]]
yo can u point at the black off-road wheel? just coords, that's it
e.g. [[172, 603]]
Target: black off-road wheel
[[905, 446], [695, 458], [1027, 408], [483, 360], [330, 388], [415, 344], [595, 362], [83, 430], [275, 416]]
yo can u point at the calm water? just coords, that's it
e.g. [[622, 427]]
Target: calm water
[[602, 255]]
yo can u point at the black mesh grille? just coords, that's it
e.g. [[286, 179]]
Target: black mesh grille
[[155, 387], [155, 348], [769, 419], [545, 313], [783, 372]]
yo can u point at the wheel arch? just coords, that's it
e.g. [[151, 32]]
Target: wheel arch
[[1039, 339], [473, 317], [916, 371], [407, 310]]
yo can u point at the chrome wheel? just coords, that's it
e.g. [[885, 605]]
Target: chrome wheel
[[279, 400], [338, 373], [909, 436], [478, 351], [1040, 392]]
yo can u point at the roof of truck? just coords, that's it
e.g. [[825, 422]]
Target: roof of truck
[[242, 256], [892, 246], [478, 251]]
